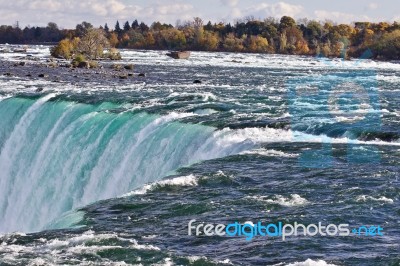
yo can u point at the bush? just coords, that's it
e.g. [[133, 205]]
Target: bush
[[65, 49], [113, 54], [62, 50], [79, 58], [93, 64], [117, 67]]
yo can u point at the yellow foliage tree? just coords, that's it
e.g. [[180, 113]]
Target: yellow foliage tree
[[368, 37], [149, 38], [210, 41], [337, 49], [282, 42], [65, 48], [258, 44], [302, 47], [113, 39], [173, 38], [233, 44]]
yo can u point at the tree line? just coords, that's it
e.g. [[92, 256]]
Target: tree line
[[283, 36]]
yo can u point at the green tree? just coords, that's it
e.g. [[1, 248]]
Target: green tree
[[117, 28], [388, 47], [286, 22], [127, 27], [135, 24], [143, 27], [136, 39], [81, 29]]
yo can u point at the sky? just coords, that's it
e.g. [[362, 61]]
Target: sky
[[68, 13]]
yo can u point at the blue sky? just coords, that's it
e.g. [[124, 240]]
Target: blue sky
[[67, 13]]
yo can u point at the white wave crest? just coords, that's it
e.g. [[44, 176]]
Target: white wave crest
[[365, 198], [293, 200], [68, 247], [311, 262], [273, 153], [189, 180]]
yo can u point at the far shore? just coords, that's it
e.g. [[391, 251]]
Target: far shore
[[219, 51]]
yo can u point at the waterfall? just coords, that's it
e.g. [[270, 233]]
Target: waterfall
[[57, 156]]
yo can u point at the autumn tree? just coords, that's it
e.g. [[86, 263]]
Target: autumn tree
[[149, 39], [113, 39], [210, 42], [246, 35], [172, 38], [232, 43], [93, 43], [258, 44], [198, 31], [283, 42], [65, 49]]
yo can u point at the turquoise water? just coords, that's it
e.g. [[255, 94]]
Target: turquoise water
[[95, 174]]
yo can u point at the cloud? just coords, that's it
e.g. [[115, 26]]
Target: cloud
[[230, 3], [373, 6], [265, 10], [279, 9], [396, 18], [69, 13], [339, 17]]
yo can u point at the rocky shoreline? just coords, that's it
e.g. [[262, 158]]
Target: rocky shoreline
[[55, 70]]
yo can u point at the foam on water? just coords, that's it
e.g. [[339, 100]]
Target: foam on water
[[366, 198], [270, 135], [252, 61], [57, 156], [89, 243], [291, 201], [310, 262], [81, 154], [272, 153], [189, 180]]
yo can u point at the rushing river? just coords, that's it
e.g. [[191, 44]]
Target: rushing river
[[112, 174]]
